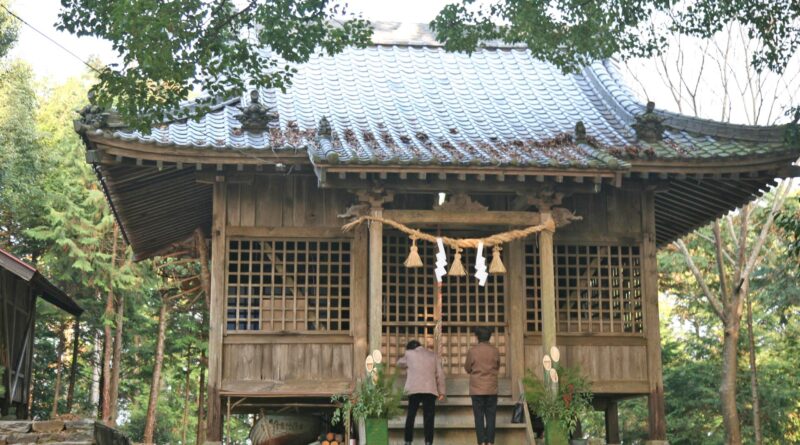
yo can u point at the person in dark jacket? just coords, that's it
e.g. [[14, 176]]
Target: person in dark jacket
[[424, 385], [483, 365]]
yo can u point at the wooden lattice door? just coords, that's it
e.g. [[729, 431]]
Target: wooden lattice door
[[409, 298]]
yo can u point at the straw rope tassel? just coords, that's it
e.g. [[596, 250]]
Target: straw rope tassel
[[457, 269], [497, 266], [413, 259]]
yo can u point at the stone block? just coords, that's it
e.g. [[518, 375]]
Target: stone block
[[47, 426], [22, 438], [71, 443], [15, 426], [83, 424]]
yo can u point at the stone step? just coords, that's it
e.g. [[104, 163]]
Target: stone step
[[467, 401], [458, 423]]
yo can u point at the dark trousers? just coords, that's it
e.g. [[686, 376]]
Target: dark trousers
[[428, 402], [485, 410]]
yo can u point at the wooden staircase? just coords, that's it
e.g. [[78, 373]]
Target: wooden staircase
[[455, 423]]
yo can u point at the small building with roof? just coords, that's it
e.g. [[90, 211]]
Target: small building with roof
[[20, 286], [403, 134]]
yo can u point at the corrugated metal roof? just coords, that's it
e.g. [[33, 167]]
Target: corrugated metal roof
[[407, 104]]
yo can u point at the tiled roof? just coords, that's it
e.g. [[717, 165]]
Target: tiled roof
[[408, 104]]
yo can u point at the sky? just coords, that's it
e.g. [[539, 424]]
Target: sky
[[49, 61], [647, 78]]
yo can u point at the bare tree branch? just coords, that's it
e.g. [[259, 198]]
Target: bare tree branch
[[712, 299], [723, 285]]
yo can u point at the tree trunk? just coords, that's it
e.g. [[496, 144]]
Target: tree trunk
[[753, 374], [59, 362], [73, 373], [115, 371], [155, 384], [96, 377], [201, 403], [727, 390], [105, 412], [186, 393]]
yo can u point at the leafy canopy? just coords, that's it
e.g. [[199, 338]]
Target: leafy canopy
[[168, 49], [8, 29], [573, 33]]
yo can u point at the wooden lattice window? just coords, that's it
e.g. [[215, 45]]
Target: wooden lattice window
[[409, 296], [288, 285], [598, 289]]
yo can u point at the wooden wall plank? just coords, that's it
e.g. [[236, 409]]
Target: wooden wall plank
[[516, 314]]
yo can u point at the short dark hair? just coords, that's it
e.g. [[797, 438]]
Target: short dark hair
[[413, 344], [483, 333]]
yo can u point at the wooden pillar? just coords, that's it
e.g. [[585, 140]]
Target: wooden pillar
[[360, 312], [515, 311], [655, 400], [216, 311], [548, 290], [375, 278], [612, 423]]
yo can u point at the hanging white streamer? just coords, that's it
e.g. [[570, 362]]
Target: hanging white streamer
[[480, 265], [441, 261]]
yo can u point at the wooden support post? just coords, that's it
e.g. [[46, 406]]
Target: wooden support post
[[375, 198], [360, 305], [655, 400], [548, 289], [516, 314], [216, 312], [375, 279], [612, 423]]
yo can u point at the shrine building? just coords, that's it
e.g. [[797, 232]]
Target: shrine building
[[455, 146]]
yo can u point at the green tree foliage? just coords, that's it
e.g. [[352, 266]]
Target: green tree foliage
[[789, 223], [53, 214], [8, 29], [169, 49], [573, 33]]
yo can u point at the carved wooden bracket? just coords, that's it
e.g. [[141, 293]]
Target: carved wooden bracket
[[544, 200], [376, 197], [460, 202]]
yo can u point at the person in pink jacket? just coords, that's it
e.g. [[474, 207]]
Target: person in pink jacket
[[424, 385]]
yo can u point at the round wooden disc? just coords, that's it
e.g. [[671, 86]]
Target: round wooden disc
[[377, 356], [553, 375], [369, 363], [548, 364], [555, 354]]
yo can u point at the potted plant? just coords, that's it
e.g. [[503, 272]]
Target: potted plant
[[374, 401], [561, 411]]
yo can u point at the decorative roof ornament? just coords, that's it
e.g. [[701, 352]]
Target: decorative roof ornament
[[580, 132], [324, 128], [93, 116], [649, 126], [255, 118]]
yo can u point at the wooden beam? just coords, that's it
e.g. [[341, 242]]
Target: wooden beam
[[499, 218], [288, 232], [655, 401], [216, 312]]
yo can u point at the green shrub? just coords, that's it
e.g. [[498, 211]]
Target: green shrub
[[572, 400]]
